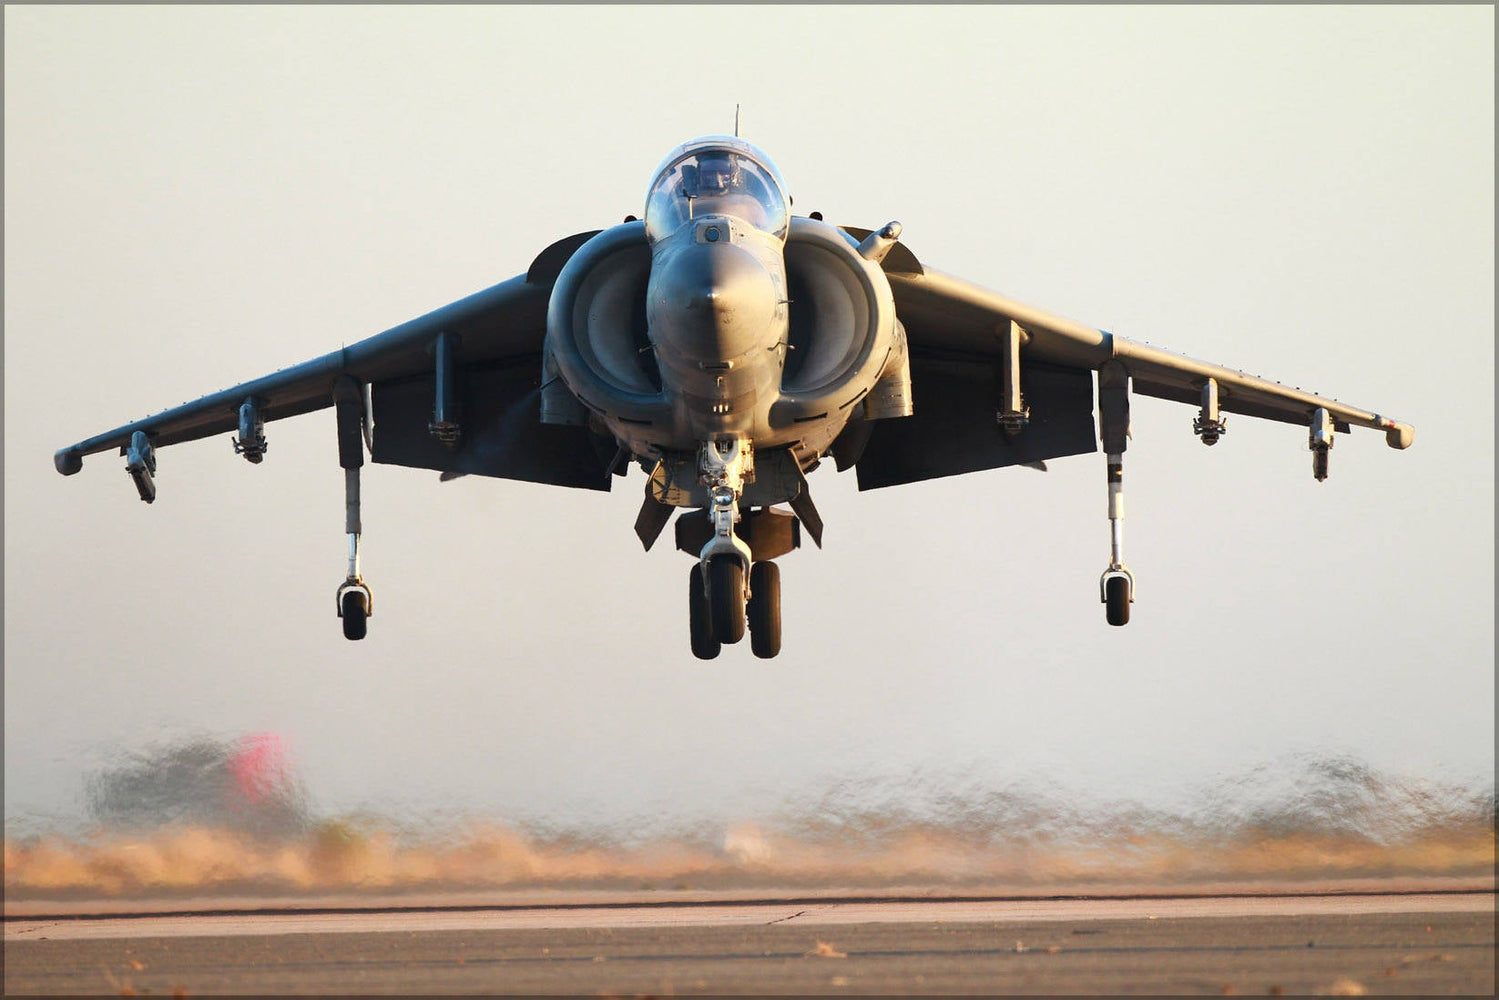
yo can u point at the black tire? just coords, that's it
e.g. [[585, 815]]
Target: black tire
[[356, 615], [704, 646], [1116, 598], [765, 609], [726, 598]]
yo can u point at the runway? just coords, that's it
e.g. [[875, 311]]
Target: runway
[[1350, 943]]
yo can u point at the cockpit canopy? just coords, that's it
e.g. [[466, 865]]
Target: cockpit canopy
[[716, 175]]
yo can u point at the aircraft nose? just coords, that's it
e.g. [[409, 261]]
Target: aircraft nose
[[711, 302]]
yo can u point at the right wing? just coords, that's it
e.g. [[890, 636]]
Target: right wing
[[500, 332]]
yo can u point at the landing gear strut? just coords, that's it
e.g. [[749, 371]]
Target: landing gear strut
[[353, 599], [1117, 585], [1116, 588]]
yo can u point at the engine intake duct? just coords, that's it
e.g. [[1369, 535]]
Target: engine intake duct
[[841, 309], [597, 339]]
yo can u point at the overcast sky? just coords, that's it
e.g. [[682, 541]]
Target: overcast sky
[[197, 196]]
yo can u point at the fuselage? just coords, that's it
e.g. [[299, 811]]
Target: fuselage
[[717, 319]]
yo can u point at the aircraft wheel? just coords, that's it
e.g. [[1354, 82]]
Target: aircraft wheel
[[355, 616], [1116, 598], [726, 598], [704, 646], [765, 609]]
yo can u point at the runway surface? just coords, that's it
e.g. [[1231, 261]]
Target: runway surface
[[1349, 943]]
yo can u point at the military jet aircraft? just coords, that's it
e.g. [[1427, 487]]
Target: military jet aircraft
[[728, 347]]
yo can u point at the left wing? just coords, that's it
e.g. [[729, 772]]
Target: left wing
[[499, 334], [964, 325], [946, 313]]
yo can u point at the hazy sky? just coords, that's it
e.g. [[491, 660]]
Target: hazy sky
[[197, 196]]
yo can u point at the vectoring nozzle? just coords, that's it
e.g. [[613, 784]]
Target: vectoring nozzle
[[140, 462]]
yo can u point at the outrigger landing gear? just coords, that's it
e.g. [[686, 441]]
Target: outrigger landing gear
[[354, 601], [1116, 588]]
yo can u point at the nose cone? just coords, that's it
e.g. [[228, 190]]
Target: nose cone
[[711, 302]]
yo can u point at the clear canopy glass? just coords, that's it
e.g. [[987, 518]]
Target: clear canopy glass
[[716, 175]]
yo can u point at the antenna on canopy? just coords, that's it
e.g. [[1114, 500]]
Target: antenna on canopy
[[736, 121]]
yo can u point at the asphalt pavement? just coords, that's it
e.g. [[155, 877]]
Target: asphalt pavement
[[1413, 943]]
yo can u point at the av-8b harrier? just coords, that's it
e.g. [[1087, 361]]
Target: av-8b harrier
[[728, 348]]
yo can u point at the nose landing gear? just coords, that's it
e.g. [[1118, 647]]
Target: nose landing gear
[[734, 586]]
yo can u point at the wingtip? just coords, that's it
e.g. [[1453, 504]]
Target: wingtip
[[68, 461]]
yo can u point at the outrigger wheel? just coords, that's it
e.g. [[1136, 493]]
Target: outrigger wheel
[[1116, 597], [354, 604]]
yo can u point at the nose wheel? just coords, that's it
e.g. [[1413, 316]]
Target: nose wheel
[[726, 598], [704, 645]]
